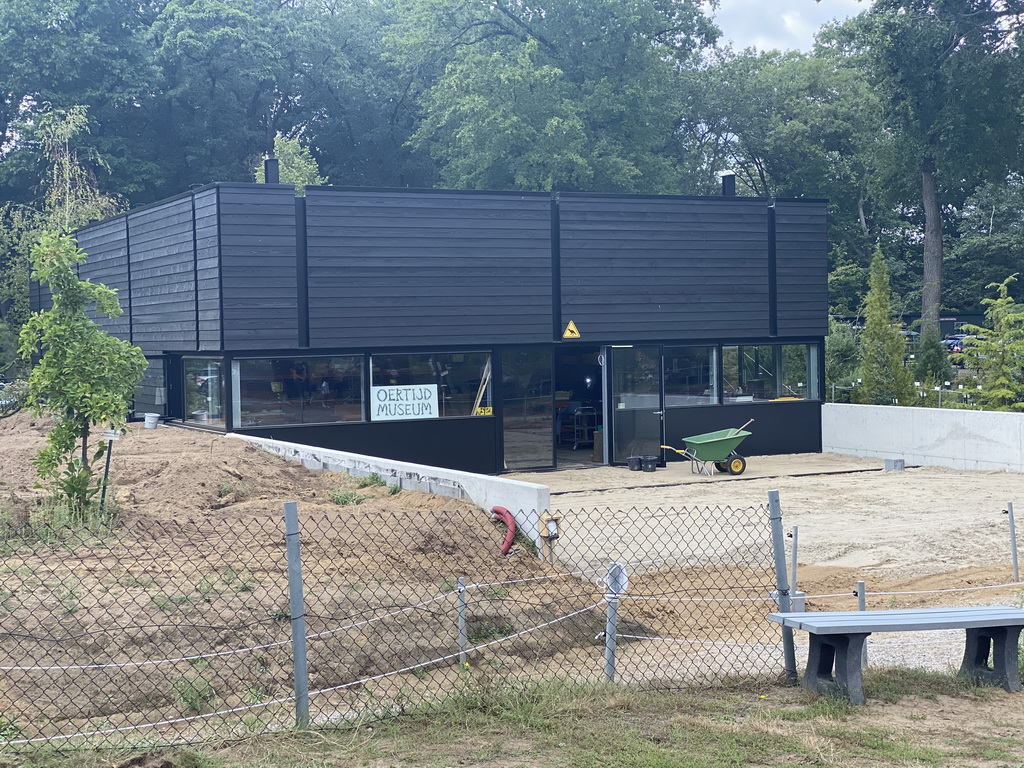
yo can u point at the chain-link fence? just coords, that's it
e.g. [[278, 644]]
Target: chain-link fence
[[162, 632]]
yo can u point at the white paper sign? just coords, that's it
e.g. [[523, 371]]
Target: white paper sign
[[417, 401]]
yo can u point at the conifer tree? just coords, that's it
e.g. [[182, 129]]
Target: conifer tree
[[885, 379]]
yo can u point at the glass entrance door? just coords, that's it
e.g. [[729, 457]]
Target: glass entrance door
[[636, 402], [526, 407]]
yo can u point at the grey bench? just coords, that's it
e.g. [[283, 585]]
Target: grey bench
[[835, 656]]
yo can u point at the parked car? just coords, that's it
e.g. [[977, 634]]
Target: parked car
[[954, 340]]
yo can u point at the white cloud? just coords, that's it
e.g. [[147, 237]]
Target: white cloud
[[782, 24]]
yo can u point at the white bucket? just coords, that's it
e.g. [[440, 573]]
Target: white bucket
[[152, 420]]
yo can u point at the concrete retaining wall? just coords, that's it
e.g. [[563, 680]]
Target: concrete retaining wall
[[926, 436], [524, 500]]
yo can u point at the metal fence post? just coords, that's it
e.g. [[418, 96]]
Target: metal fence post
[[1013, 542], [617, 582], [862, 606], [781, 583], [297, 612], [792, 572], [462, 620]]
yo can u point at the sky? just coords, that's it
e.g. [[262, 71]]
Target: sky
[[782, 24]]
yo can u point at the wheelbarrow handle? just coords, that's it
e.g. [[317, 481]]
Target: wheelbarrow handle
[[741, 428]]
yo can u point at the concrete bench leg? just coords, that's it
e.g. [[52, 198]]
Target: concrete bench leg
[[833, 666], [1003, 643]]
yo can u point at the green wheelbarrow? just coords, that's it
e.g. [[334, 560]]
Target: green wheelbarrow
[[714, 450]]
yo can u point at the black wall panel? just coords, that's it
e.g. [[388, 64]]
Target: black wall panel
[[466, 444], [778, 428], [163, 290], [417, 268], [801, 243], [107, 246], [638, 268], [258, 266], [207, 266]]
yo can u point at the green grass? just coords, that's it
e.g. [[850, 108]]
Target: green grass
[[373, 480], [346, 498], [557, 724]]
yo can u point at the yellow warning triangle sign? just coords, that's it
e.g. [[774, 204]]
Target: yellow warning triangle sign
[[571, 332]]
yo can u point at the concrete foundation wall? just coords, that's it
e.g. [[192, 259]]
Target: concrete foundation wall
[[524, 500], [984, 440]]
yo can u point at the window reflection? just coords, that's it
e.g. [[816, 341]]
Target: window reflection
[[307, 390], [459, 384], [690, 376], [204, 391]]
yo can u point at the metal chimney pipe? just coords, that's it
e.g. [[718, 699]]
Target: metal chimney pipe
[[728, 183], [271, 170]]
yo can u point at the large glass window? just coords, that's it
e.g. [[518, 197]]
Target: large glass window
[[430, 386], [748, 373], [800, 371], [526, 395], [769, 372], [690, 376], [298, 390], [204, 390]]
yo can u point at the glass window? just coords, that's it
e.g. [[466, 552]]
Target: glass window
[[298, 390], [748, 373], [800, 371], [151, 391], [430, 386], [527, 407], [690, 376], [204, 391]]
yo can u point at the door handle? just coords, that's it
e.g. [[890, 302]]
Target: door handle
[[659, 413]]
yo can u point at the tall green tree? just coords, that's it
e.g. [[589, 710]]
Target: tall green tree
[[885, 378], [69, 198], [297, 165], [997, 351], [949, 75], [568, 94], [84, 376]]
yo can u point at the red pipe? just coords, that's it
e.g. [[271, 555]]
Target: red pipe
[[502, 514]]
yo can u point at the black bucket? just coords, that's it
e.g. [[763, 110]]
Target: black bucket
[[649, 463], [634, 463]]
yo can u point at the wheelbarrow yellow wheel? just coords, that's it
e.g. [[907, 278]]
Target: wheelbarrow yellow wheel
[[736, 465], [722, 466]]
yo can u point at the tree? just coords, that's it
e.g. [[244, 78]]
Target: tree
[[567, 94], [70, 198], [998, 350], [990, 245], [297, 167], [931, 362], [85, 376], [885, 380], [841, 355], [948, 72]]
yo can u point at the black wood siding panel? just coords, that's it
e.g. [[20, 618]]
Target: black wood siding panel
[[258, 266], [801, 243], [664, 268], [428, 268], [207, 269], [107, 246], [163, 291]]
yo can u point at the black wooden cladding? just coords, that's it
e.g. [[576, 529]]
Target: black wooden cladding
[[163, 290], [428, 268], [220, 268], [207, 269], [107, 246], [259, 300], [801, 267], [646, 268]]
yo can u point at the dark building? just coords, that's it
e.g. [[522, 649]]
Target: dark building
[[474, 330]]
